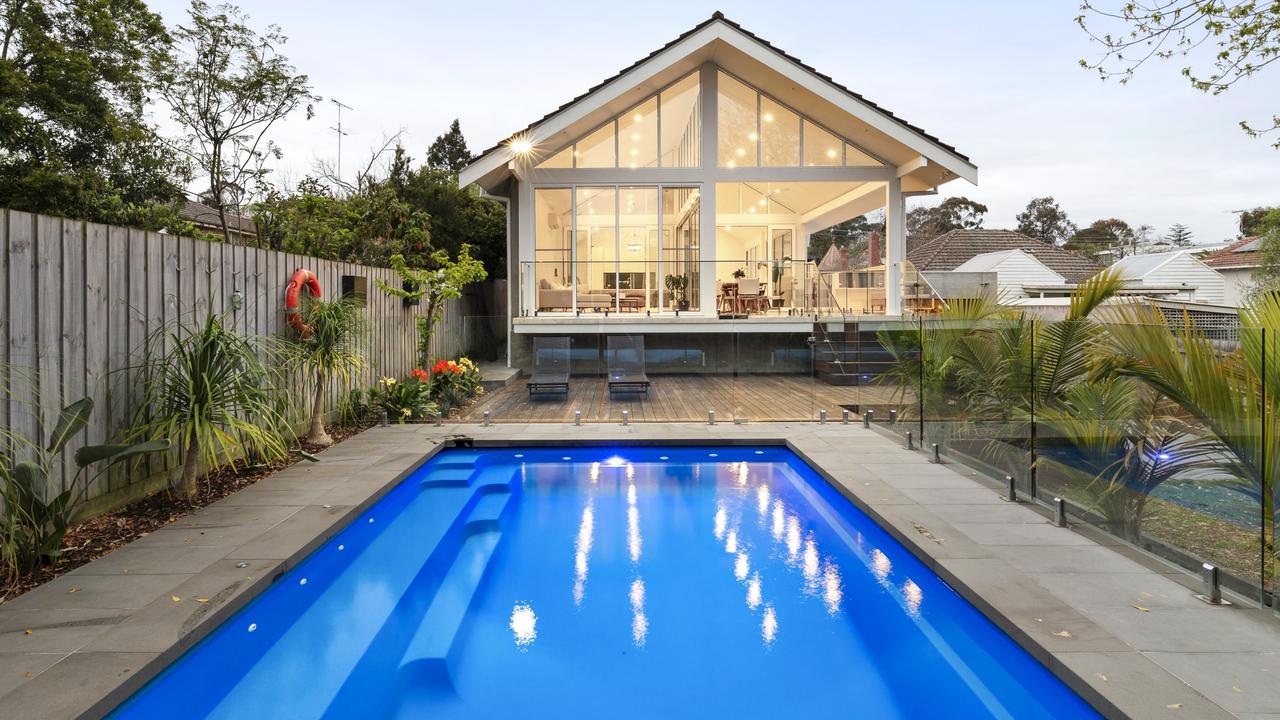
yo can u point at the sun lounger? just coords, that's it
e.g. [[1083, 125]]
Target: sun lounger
[[626, 365], [550, 367]]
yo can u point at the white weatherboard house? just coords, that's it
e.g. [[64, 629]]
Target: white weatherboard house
[[1015, 271], [683, 191], [1177, 275]]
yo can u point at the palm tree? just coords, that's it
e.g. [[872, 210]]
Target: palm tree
[[204, 386], [1233, 395], [328, 350]]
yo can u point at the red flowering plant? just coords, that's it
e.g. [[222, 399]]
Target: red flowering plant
[[420, 375], [453, 384]]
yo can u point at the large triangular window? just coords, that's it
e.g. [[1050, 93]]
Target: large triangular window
[[662, 131], [754, 130]]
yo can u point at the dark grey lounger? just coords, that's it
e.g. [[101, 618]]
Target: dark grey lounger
[[626, 365], [550, 367]]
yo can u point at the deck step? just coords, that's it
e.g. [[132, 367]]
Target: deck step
[[430, 653]]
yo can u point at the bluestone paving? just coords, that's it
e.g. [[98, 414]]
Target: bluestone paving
[[90, 648]]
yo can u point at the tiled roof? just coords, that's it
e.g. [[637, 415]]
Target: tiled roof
[[719, 16], [949, 250], [207, 217], [1241, 253]]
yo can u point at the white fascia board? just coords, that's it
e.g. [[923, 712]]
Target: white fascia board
[[769, 57], [843, 100], [610, 92]]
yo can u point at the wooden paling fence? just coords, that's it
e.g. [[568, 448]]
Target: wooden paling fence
[[79, 300]]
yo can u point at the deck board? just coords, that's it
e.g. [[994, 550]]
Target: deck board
[[681, 398]]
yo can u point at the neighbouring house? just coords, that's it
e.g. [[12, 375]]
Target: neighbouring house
[[965, 261], [1238, 265], [676, 199], [1015, 270], [1173, 275], [242, 229]]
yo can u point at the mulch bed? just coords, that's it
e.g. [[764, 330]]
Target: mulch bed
[[101, 535]]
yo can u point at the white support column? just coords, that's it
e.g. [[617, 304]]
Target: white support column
[[524, 244], [707, 199], [895, 246]]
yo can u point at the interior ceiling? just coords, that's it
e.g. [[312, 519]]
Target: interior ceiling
[[793, 197]]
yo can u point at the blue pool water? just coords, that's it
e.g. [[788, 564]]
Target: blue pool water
[[609, 582]]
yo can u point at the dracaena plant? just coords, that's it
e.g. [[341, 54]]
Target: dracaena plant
[[34, 520], [204, 386]]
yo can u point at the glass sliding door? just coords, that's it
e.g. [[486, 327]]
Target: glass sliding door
[[616, 248], [680, 267], [636, 283], [596, 246], [552, 274]]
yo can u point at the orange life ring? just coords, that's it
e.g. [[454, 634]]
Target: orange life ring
[[293, 298]]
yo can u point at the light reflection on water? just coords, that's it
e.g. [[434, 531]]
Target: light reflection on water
[[639, 621], [582, 551], [769, 626], [524, 625]]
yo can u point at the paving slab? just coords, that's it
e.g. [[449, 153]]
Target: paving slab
[[1062, 594]]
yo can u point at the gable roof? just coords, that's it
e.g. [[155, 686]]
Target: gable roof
[[950, 250], [473, 172], [989, 262], [1242, 253], [1136, 266]]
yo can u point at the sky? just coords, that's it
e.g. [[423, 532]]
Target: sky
[[1000, 81]]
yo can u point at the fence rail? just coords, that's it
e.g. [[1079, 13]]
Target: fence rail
[[78, 301]]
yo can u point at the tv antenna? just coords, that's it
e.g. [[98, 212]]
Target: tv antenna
[[340, 132]]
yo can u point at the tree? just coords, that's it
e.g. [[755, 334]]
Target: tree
[[442, 279], [1043, 219], [329, 349], [449, 151], [1268, 231], [1102, 235], [1251, 221], [849, 235], [74, 139], [1239, 38], [227, 86], [955, 213], [206, 388], [1179, 235]]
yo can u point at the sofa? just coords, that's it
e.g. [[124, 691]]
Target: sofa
[[558, 296]]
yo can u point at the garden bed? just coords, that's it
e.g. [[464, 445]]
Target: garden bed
[[93, 538]]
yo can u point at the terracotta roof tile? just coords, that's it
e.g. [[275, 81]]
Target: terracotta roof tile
[[1233, 256], [950, 250]]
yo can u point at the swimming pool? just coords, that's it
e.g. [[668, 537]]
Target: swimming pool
[[620, 582]]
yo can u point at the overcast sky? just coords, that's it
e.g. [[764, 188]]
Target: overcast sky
[[998, 80]]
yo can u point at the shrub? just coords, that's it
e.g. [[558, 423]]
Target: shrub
[[403, 400]]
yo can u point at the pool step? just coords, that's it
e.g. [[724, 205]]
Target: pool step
[[448, 477], [428, 657]]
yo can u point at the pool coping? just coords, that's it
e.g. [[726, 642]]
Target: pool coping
[[99, 633]]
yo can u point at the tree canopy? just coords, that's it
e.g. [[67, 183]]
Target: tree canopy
[[449, 151], [1217, 43], [227, 85], [955, 213], [74, 139], [1103, 235], [1045, 220]]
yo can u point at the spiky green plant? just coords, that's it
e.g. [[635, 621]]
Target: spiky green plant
[[329, 350], [204, 386]]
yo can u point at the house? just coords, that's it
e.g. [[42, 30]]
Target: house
[[683, 191], [1015, 270], [1173, 275], [965, 261], [1238, 264], [242, 229]]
